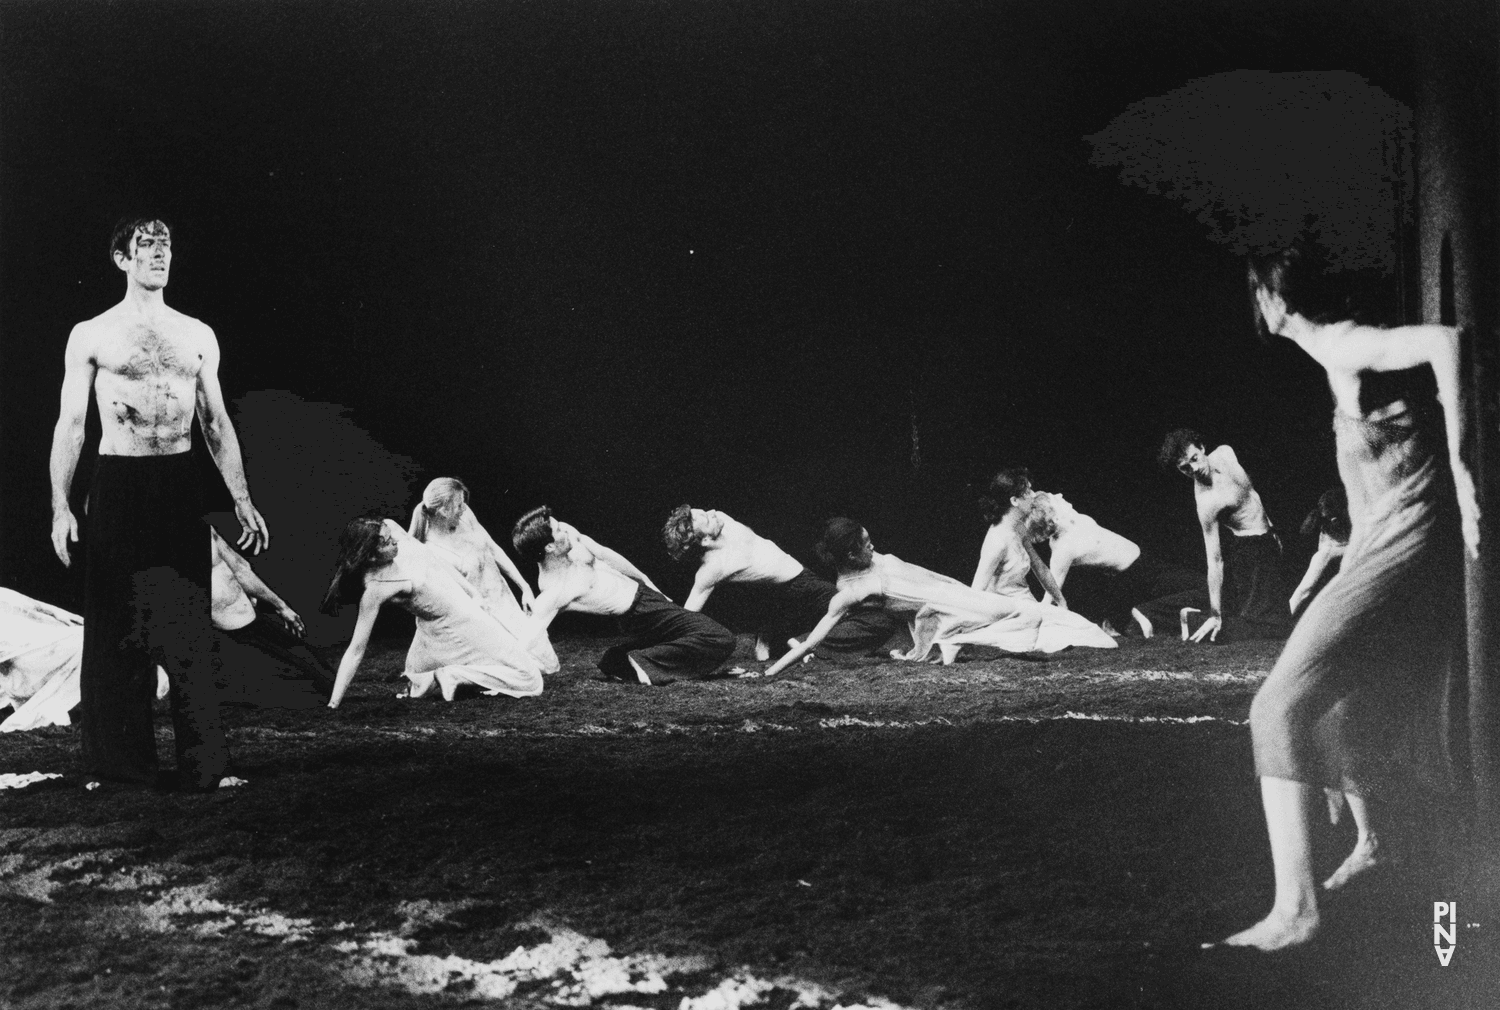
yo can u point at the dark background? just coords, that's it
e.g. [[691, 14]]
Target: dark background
[[614, 257]]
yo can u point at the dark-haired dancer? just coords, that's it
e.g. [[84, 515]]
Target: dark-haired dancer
[[729, 551], [457, 640], [1008, 553], [1254, 605], [942, 611], [1329, 522], [147, 548], [577, 573], [1357, 700], [1139, 587]]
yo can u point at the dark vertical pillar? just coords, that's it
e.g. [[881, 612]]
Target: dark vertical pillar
[[1458, 196]]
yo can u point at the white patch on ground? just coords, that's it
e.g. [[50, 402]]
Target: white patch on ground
[[567, 969], [24, 877], [20, 780], [1095, 717]]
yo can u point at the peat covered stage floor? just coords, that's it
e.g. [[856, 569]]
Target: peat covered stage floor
[[1002, 832]]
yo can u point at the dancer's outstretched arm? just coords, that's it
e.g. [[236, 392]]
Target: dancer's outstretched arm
[[1328, 549], [1062, 561], [704, 582], [1211, 627], [253, 585], [375, 594], [837, 608], [510, 571], [1044, 576], [1368, 348], [617, 561]]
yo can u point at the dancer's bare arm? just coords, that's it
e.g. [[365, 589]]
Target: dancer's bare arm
[[1061, 561], [1328, 549], [224, 447], [510, 571], [1345, 352], [553, 599], [1044, 576], [67, 437], [1215, 558], [704, 581], [253, 585], [837, 608], [617, 561], [989, 559], [375, 594]]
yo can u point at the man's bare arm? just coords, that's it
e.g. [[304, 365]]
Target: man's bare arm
[[704, 581], [617, 561], [254, 586], [67, 437], [224, 446], [1215, 558], [510, 571]]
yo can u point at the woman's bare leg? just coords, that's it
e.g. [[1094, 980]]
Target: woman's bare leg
[[1368, 852], [1290, 808]]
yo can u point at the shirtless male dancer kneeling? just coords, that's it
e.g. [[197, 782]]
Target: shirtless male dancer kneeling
[[576, 573], [730, 551]]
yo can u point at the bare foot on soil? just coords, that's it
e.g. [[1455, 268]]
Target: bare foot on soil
[[1277, 931], [1367, 856]]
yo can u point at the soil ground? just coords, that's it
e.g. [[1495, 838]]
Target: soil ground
[[1002, 832]]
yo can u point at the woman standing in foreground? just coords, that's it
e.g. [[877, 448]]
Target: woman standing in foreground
[[1357, 699]]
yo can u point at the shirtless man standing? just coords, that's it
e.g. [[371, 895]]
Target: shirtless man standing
[[730, 551], [577, 573], [1225, 497], [147, 549]]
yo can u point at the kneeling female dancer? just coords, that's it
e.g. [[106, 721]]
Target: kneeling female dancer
[[457, 640], [1356, 701], [444, 522], [942, 611], [1008, 553]]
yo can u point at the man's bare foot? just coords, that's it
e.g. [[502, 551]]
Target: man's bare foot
[[1278, 931], [1145, 623], [948, 651], [1367, 855], [762, 650]]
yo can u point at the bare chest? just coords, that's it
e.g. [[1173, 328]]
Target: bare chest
[[143, 352]]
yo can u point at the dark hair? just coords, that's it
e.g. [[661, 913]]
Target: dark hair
[[125, 228], [1303, 278], [839, 542], [1174, 445], [1012, 482], [1330, 515], [357, 546], [679, 536], [532, 533]]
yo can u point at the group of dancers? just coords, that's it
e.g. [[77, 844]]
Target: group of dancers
[[1357, 704]]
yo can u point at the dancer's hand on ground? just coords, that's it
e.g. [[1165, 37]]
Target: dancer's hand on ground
[[294, 622], [253, 531], [1468, 508], [1208, 630], [64, 529]]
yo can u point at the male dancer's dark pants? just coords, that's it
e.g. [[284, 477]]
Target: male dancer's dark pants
[[146, 602], [1255, 598], [666, 640]]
